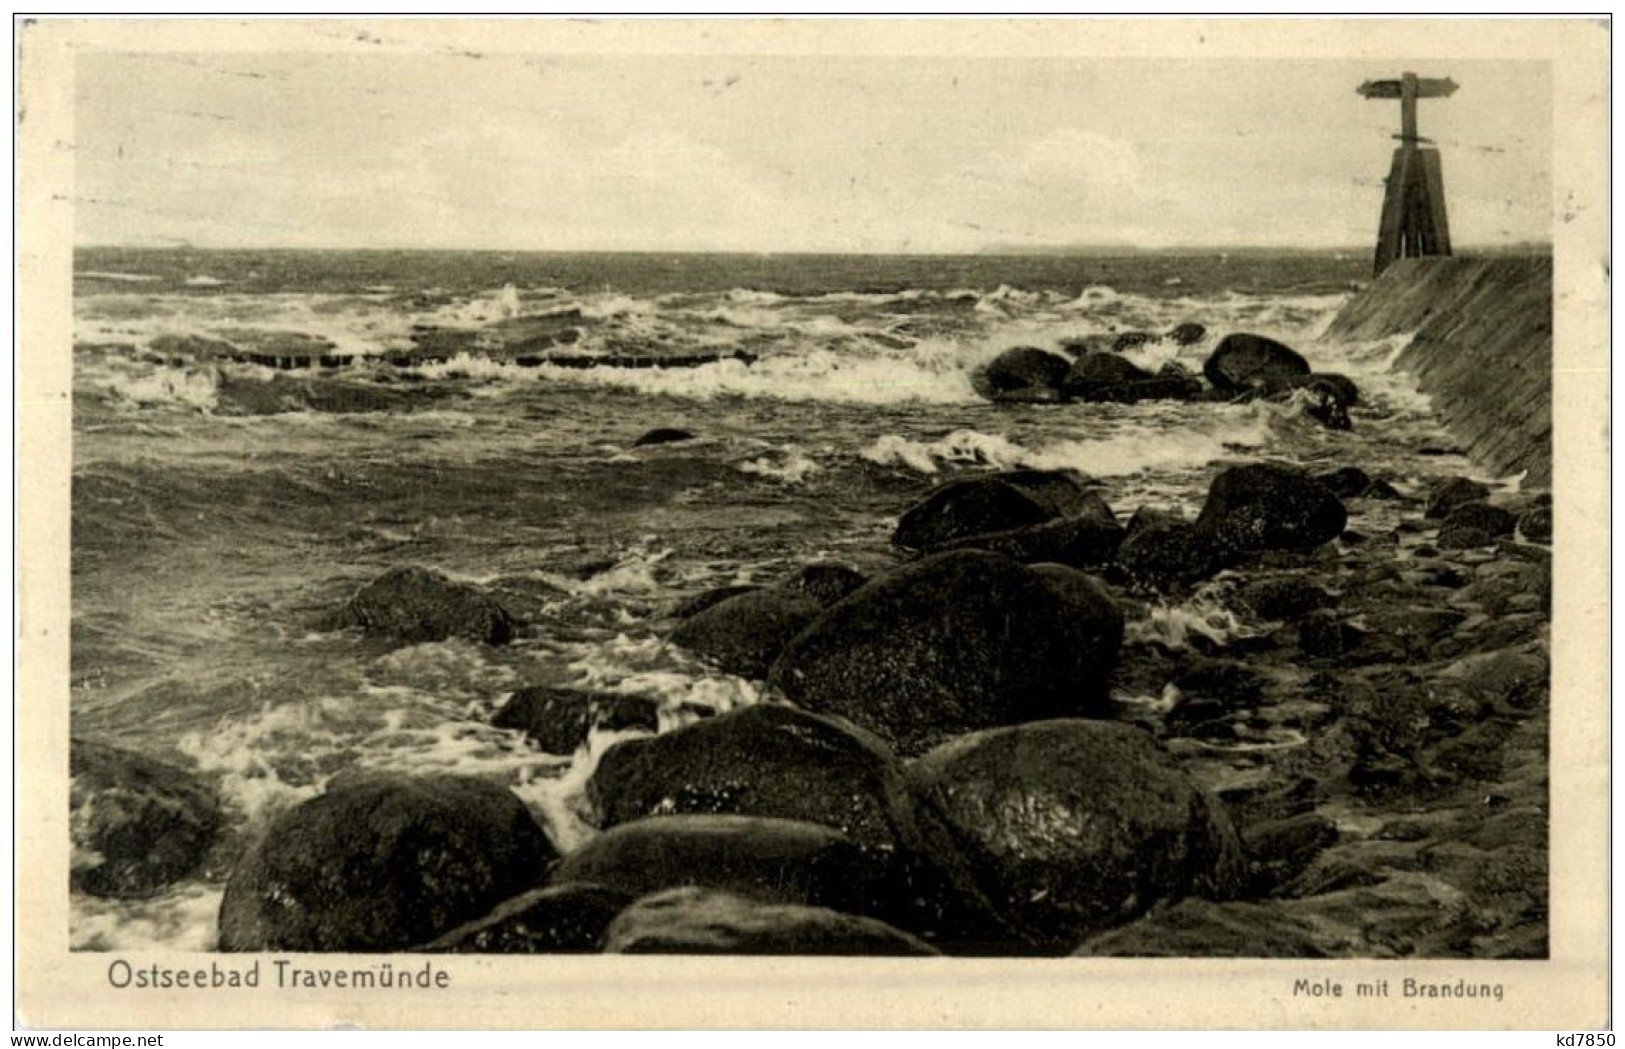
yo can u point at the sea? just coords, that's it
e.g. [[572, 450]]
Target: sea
[[222, 510]]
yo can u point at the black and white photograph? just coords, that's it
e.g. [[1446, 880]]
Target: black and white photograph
[[994, 504]]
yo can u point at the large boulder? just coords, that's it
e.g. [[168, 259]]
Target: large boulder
[[824, 581], [1076, 826], [1243, 362], [762, 760], [1198, 928], [381, 863], [1188, 334], [701, 921], [1108, 378], [956, 642], [969, 506], [743, 634], [418, 604], [1491, 520], [1262, 506], [558, 919], [763, 859], [1019, 371], [1104, 377], [1164, 555], [559, 719], [138, 824]]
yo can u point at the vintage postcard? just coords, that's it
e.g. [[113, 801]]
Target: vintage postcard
[[814, 523]]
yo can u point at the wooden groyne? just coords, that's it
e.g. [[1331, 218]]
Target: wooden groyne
[[1482, 350]]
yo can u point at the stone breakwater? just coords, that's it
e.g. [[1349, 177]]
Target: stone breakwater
[[1482, 349], [994, 747]]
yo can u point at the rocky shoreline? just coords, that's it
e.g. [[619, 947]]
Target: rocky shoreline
[[1000, 746]]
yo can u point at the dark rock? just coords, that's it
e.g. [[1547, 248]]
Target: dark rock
[[559, 719], [1231, 681], [662, 435], [381, 863], [693, 606], [1458, 538], [744, 634], [1280, 850], [560, 919], [1340, 388], [955, 642], [825, 582], [1020, 369], [1325, 403], [1075, 826], [1129, 339], [767, 860], [701, 921], [138, 824], [1096, 377], [1187, 334], [1166, 556], [762, 760], [1536, 525], [417, 605], [1381, 490], [1352, 538], [1491, 520], [1198, 928], [1452, 493], [1283, 599], [967, 507], [1262, 506], [1327, 635], [1088, 542], [1108, 378], [1244, 362]]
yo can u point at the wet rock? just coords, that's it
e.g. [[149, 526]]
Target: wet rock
[[825, 582], [1128, 340], [1187, 334], [1491, 520], [968, 507], [1262, 506], [1243, 362], [381, 863], [1165, 556], [416, 605], [763, 760], [1231, 681], [559, 719], [701, 921], [1382, 490], [1449, 494], [1075, 826], [1324, 402], [662, 435], [693, 606], [956, 642], [1283, 599], [1019, 370], [1536, 525], [744, 634], [1339, 388], [1064, 493], [559, 919], [138, 824], [1504, 680], [1198, 928], [762, 859]]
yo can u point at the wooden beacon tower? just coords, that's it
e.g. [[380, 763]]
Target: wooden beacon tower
[[1413, 214]]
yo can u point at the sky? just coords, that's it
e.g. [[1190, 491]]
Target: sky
[[765, 153]]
